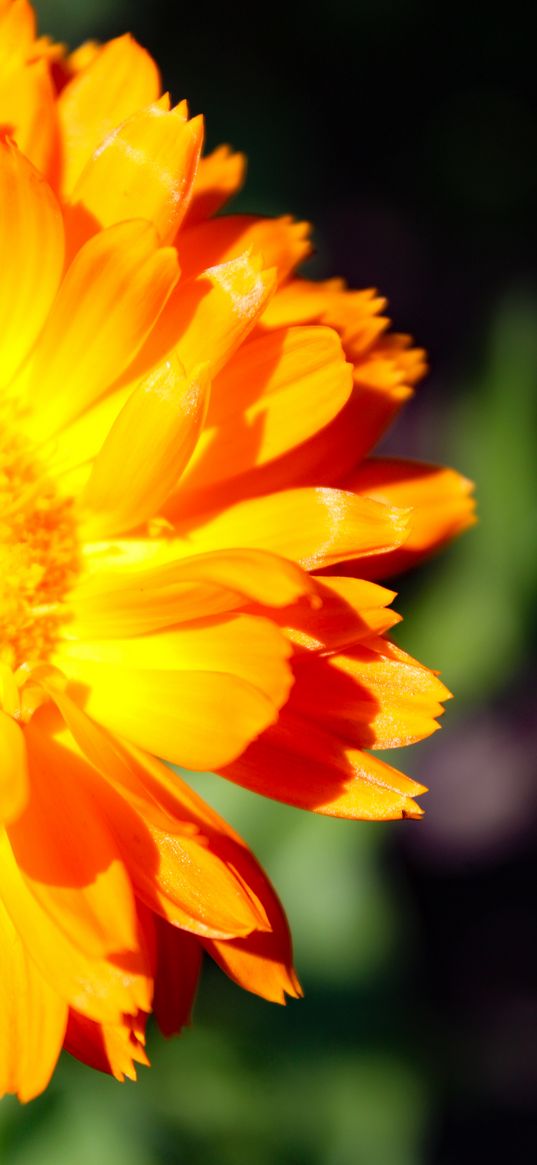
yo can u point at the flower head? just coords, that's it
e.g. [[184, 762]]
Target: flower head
[[189, 536]]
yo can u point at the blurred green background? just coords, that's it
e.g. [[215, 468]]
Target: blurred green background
[[409, 134]]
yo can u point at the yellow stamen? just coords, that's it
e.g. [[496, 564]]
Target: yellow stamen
[[38, 553]]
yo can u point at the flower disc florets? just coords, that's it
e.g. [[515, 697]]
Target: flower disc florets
[[38, 554]]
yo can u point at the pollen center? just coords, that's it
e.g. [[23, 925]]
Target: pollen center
[[38, 554]]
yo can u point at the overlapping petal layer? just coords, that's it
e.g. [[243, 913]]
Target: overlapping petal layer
[[183, 422]]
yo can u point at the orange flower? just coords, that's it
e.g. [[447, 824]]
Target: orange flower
[[183, 495]]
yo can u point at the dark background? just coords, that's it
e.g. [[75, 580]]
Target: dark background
[[408, 134]]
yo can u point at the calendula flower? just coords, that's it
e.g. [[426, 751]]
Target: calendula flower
[[190, 529]]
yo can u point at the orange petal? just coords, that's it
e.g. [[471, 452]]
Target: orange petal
[[136, 601], [383, 382], [120, 79], [31, 245], [315, 527], [261, 962], [161, 691], [111, 1048], [68, 855], [329, 456], [281, 242], [385, 363], [350, 436], [152, 789], [441, 501], [28, 109], [351, 313], [298, 763], [146, 449], [385, 369], [295, 762], [385, 372], [144, 169], [269, 365], [273, 395], [184, 864], [102, 989], [220, 175], [178, 970], [68, 65], [108, 302], [347, 610], [374, 696], [390, 363], [32, 1018], [13, 769]]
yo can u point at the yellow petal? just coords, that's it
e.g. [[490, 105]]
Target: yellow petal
[[9, 692], [13, 769], [32, 247], [32, 1019], [146, 449], [231, 298], [108, 302], [121, 79], [79, 442], [17, 29], [144, 169], [315, 527], [162, 692], [136, 601]]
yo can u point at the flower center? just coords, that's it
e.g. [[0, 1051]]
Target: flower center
[[38, 553]]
